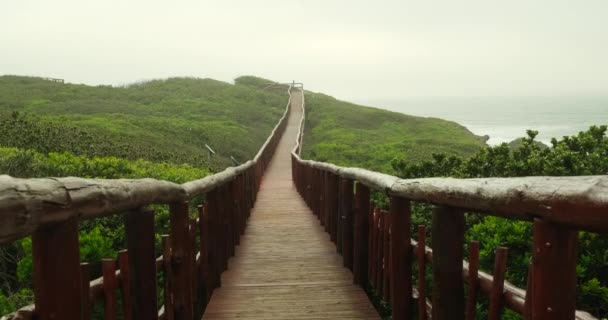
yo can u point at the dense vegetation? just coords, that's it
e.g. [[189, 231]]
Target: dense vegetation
[[351, 135], [582, 154], [162, 120], [155, 129], [411, 147]]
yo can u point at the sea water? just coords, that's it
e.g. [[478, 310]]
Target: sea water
[[507, 118]]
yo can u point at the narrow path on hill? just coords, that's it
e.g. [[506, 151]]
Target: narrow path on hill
[[286, 266]]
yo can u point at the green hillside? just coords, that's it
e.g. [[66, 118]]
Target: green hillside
[[347, 134], [161, 120]]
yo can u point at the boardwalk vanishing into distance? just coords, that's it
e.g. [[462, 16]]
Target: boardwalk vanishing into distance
[[286, 267]]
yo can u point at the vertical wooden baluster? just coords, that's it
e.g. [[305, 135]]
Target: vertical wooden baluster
[[243, 204], [125, 284], [385, 257], [498, 283], [109, 288], [236, 199], [325, 202], [528, 302], [347, 202], [340, 215], [447, 242], [167, 274], [360, 271], [182, 286], [212, 241], [221, 235], [142, 263], [372, 262], [473, 288], [85, 275], [204, 259], [227, 221], [234, 213], [193, 269], [320, 196], [554, 271], [421, 256], [311, 186], [332, 205], [401, 262], [380, 253], [56, 266], [227, 237], [307, 186]]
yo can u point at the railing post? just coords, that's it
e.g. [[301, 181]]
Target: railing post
[[447, 242], [125, 274], [224, 214], [554, 259], [56, 264], [85, 276], [498, 284], [373, 261], [401, 258], [193, 270], [421, 255], [346, 210], [167, 277], [318, 194], [211, 208], [109, 288], [361, 235], [203, 225], [182, 283], [324, 201], [387, 284], [236, 213], [332, 205], [473, 287], [142, 263]]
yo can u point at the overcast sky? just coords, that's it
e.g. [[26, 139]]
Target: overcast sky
[[355, 50]]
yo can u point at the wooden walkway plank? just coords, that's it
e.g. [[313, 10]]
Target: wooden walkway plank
[[286, 267]]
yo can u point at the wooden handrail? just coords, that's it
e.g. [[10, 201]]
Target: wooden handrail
[[580, 202]]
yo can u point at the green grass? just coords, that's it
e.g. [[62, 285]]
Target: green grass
[[347, 134], [161, 120]]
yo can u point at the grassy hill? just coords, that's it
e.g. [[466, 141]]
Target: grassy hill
[[347, 134], [161, 120]]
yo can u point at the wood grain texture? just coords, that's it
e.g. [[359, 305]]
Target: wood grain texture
[[286, 267]]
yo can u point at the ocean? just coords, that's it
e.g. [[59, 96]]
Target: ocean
[[506, 119]]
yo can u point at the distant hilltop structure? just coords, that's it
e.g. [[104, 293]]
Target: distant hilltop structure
[[54, 80]]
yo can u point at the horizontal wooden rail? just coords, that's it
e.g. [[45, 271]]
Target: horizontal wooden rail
[[383, 255], [195, 253], [580, 202]]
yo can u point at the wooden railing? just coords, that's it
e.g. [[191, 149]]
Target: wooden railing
[[376, 245], [195, 252]]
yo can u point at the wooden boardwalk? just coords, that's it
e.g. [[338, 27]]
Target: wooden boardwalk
[[286, 266]]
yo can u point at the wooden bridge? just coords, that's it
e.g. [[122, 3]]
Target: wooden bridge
[[280, 237], [286, 267]]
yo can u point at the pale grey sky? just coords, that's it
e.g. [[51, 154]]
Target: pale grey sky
[[355, 50]]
